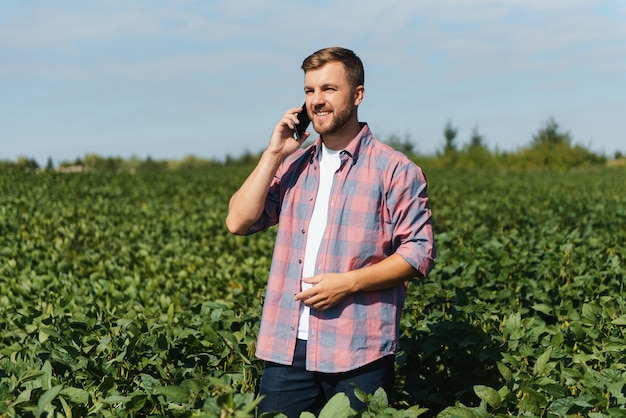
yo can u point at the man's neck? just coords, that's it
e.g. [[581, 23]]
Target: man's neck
[[340, 139]]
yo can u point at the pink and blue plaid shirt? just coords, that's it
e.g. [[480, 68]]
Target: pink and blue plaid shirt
[[378, 207]]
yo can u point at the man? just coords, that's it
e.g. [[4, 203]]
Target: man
[[354, 226]]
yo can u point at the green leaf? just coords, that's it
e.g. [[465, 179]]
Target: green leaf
[[543, 308], [489, 395], [45, 333], [505, 372], [619, 321], [46, 378], [24, 396], [337, 407], [76, 395], [513, 326], [117, 399], [379, 399], [415, 411], [30, 375], [542, 361], [456, 412], [176, 394], [46, 398], [149, 383], [361, 395]]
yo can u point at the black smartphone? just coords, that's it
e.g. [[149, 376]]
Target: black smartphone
[[303, 118]]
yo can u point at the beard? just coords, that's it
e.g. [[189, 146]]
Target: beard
[[337, 122]]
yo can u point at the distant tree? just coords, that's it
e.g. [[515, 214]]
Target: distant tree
[[192, 162], [94, 162], [405, 146], [77, 162], [477, 140], [476, 154], [550, 136], [49, 165], [449, 134], [26, 163], [552, 147], [150, 165]]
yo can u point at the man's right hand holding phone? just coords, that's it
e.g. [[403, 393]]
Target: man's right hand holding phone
[[283, 141]]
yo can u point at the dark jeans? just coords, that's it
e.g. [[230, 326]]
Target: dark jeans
[[293, 390]]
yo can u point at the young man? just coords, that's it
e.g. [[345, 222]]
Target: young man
[[354, 225]]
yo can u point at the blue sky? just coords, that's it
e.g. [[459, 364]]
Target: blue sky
[[168, 79]]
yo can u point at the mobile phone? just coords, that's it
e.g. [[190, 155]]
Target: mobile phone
[[303, 118]]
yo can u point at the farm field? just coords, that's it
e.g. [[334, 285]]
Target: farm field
[[124, 295]]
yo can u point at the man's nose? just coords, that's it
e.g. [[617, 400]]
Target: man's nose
[[317, 98]]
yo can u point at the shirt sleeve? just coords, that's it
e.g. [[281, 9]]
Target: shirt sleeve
[[284, 178], [411, 216], [271, 211]]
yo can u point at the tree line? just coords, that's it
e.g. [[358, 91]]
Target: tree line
[[550, 147]]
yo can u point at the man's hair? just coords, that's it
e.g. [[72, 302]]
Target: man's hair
[[351, 62]]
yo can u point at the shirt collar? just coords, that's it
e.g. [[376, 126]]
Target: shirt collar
[[360, 141]]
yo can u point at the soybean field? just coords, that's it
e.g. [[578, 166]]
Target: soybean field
[[124, 295]]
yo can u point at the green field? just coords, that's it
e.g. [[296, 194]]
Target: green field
[[124, 295]]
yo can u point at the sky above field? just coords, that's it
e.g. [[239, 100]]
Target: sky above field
[[167, 79]]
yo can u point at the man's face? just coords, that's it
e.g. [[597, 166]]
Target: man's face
[[330, 99]]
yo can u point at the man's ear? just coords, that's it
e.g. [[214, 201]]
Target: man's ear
[[359, 92]]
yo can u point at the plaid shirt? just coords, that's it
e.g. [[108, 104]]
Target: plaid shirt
[[378, 207]]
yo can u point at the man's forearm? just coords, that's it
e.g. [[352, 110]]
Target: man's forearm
[[383, 275], [246, 205]]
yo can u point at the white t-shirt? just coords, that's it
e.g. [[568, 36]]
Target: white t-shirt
[[329, 163]]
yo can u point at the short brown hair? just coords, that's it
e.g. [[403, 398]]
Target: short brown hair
[[351, 62]]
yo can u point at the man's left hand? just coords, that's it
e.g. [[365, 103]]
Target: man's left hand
[[328, 290]]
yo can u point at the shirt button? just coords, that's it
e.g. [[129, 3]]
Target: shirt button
[[303, 231], [299, 261]]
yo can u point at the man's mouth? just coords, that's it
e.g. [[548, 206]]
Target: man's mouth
[[322, 114]]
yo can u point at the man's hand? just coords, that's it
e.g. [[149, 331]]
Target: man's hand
[[331, 288], [282, 141], [328, 290]]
